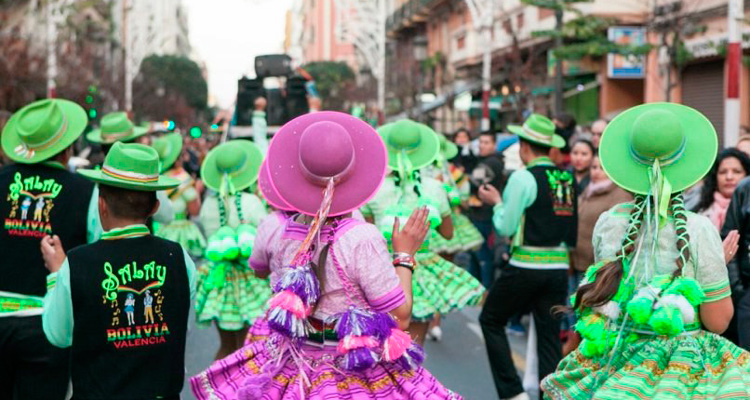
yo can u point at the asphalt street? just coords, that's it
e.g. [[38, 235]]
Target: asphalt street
[[459, 361]]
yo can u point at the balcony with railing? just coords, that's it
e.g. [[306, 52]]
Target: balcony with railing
[[410, 13]]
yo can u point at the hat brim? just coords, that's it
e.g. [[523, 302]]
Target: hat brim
[[242, 178], [425, 154], [701, 146], [360, 185], [163, 183], [267, 191], [77, 121], [450, 151], [557, 140], [95, 136], [175, 148]]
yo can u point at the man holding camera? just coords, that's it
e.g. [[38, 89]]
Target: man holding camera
[[537, 208]]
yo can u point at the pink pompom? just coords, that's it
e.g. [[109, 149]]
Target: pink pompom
[[396, 344], [352, 342], [289, 301]]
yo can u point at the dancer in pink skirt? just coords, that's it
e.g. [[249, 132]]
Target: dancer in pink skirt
[[334, 325]]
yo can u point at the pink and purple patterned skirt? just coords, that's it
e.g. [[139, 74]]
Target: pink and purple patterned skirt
[[311, 374]]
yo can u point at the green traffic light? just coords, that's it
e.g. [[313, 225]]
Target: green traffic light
[[196, 132], [92, 89], [93, 113], [214, 127], [89, 99]]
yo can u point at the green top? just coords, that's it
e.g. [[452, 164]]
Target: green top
[[519, 194], [57, 319]]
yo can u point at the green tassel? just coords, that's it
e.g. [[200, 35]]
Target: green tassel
[[667, 320], [245, 239]]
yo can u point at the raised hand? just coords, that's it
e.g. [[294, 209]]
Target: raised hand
[[410, 238], [52, 252]]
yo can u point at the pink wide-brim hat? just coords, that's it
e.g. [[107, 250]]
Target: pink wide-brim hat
[[266, 189], [309, 150]]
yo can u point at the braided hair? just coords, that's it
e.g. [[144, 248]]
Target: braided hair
[[601, 289], [398, 180]]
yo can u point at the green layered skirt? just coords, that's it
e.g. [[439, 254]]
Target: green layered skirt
[[466, 237], [440, 287], [186, 233], [230, 294], [699, 366]]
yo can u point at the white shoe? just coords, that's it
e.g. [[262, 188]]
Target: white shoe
[[520, 396], [435, 333]]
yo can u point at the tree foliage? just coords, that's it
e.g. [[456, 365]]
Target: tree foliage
[[585, 34], [176, 74], [331, 79]]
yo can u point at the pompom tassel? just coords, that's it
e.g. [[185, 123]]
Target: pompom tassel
[[359, 359], [400, 349], [296, 293]]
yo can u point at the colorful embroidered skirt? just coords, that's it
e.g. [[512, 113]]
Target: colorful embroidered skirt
[[321, 379], [701, 366], [186, 233], [466, 237], [230, 294], [439, 287]]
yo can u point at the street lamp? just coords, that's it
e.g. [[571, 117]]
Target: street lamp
[[419, 45]]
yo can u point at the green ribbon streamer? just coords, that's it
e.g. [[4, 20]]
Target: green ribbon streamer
[[227, 186], [662, 189]]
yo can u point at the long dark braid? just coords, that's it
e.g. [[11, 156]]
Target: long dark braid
[[608, 277]]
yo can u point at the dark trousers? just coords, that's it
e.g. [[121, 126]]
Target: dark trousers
[[30, 367], [743, 320], [516, 290], [482, 264]]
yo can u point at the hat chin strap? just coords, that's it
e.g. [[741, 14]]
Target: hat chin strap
[[661, 190], [227, 186]]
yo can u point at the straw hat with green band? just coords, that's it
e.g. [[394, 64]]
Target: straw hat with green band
[[231, 166], [410, 145], [116, 127], [169, 147], [43, 129], [669, 145], [131, 166], [540, 130]]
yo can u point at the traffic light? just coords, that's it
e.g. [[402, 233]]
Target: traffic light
[[168, 125], [90, 101], [196, 131]]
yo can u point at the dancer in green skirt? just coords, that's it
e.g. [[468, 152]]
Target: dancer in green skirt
[[229, 293], [186, 201], [439, 286], [651, 310]]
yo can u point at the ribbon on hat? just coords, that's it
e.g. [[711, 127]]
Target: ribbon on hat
[[226, 187], [661, 189], [303, 254], [27, 151]]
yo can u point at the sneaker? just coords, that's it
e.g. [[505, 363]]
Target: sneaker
[[435, 333], [515, 330], [520, 396]]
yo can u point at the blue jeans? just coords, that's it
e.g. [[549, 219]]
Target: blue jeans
[[482, 264]]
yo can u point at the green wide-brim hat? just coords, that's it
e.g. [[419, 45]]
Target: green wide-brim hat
[[42, 129], [169, 148], [405, 138], [682, 140], [540, 130], [232, 166], [116, 127], [131, 166]]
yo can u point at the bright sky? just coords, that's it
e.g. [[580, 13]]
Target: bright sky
[[228, 34]]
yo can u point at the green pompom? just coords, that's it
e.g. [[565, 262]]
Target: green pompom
[[224, 231], [213, 249], [667, 320], [229, 248], [641, 307], [593, 269], [216, 276], [691, 289], [592, 327], [588, 348], [245, 239]]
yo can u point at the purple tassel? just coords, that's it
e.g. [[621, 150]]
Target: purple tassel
[[357, 322], [359, 359], [382, 325], [287, 324], [302, 281], [413, 358]]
